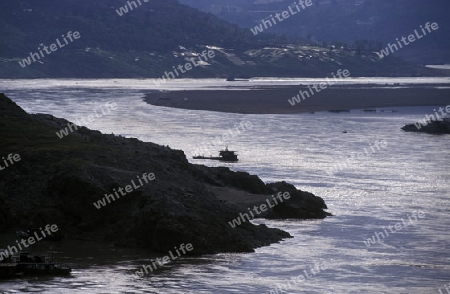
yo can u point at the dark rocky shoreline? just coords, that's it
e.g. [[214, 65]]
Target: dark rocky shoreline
[[435, 127], [58, 180]]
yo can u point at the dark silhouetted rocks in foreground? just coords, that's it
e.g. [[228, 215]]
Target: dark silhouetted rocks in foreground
[[58, 180]]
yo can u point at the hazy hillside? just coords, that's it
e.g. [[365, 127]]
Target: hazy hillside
[[154, 37], [155, 26], [348, 21]]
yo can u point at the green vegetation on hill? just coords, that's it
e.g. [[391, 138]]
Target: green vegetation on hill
[[152, 38], [156, 26], [348, 21]]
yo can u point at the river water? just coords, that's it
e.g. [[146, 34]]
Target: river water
[[409, 174]]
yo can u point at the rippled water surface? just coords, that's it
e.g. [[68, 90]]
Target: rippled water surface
[[410, 174]]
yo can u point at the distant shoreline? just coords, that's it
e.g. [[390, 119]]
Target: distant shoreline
[[274, 99]]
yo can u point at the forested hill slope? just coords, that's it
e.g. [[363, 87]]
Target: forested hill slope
[[158, 25], [348, 21], [131, 39]]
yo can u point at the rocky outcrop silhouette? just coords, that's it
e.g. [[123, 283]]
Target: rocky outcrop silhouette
[[57, 181], [437, 127]]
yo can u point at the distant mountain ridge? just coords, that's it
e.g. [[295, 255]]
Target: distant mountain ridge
[[154, 26], [155, 36], [348, 21]]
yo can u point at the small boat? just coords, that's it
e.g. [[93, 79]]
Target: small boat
[[224, 155], [23, 263]]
